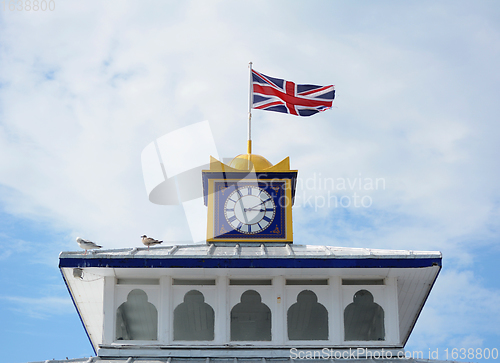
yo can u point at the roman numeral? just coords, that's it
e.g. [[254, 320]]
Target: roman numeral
[[267, 219]]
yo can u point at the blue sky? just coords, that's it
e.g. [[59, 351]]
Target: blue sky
[[84, 89]]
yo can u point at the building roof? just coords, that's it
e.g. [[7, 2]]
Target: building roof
[[237, 360], [251, 255]]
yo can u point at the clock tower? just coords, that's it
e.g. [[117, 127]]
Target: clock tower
[[239, 299], [249, 200], [249, 294]]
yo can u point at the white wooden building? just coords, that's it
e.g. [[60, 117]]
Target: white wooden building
[[252, 296], [158, 282]]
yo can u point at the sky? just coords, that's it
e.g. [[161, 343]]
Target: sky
[[409, 149]]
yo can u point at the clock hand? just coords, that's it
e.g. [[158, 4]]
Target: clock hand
[[256, 205], [244, 210], [250, 209]]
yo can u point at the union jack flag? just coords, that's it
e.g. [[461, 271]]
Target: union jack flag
[[274, 94]]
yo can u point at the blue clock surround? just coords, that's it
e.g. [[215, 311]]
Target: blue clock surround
[[223, 183], [263, 177], [276, 229]]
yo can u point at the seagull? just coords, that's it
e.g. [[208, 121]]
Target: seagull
[[86, 244], [148, 241]]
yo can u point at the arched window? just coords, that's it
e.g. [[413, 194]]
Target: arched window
[[250, 319], [363, 318], [137, 319], [194, 318], [307, 319]]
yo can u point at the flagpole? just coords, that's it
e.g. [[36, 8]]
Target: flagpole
[[250, 101]]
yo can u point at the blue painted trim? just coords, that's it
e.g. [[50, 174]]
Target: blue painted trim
[[78, 311], [265, 177], [199, 262]]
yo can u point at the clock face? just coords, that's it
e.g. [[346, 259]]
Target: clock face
[[249, 209]]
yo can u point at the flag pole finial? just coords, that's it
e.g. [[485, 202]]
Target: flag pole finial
[[249, 143]]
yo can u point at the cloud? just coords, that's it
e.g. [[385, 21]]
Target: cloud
[[81, 138], [86, 88], [39, 307]]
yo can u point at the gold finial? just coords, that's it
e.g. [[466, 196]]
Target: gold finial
[[250, 162]]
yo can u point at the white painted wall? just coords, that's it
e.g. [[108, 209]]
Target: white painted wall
[[278, 297]]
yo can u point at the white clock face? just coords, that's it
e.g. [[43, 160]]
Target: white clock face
[[249, 209]]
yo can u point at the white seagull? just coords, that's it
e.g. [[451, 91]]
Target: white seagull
[[148, 241], [86, 245]]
